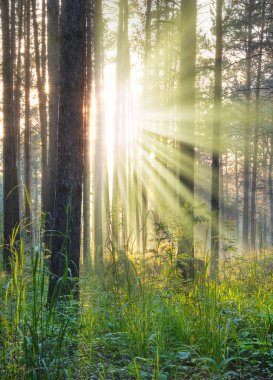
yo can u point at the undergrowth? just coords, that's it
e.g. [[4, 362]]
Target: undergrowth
[[136, 324]]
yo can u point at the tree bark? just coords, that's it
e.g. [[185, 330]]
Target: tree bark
[[99, 179], [270, 185], [187, 107], [42, 109], [216, 149], [10, 177], [245, 237], [27, 190], [121, 185], [87, 141], [17, 96], [66, 241], [256, 139], [53, 104]]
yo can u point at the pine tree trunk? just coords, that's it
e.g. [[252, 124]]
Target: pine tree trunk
[[53, 104], [10, 177], [99, 179], [144, 191], [17, 95], [256, 139], [270, 185], [42, 109], [216, 149], [66, 240], [245, 238], [237, 189], [186, 137], [27, 190], [87, 142]]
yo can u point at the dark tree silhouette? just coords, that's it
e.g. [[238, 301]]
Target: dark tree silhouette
[[66, 240]]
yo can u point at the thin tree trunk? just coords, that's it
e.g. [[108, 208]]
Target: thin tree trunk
[[120, 177], [99, 156], [27, 195], [87, 142], [270, 184], [144, 192], [17, 91], [245, 241], [215, 184], [53, 102], [237, 188], [256, 139], [187, 106], [10, 178], [42, 109]]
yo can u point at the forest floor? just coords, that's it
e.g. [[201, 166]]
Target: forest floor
[[136, 323]]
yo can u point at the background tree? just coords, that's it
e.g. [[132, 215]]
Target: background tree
[[215, 184], [53, 101], [87, 137], [99, 175], [10, 177], [187, 122]]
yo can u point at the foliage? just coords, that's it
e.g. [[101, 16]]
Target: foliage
[[137, 324]]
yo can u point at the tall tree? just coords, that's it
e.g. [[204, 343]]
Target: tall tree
[[17, 87], [53, 101], [144, 193], [245, 237], [10, 178], [256, 134], [42, 105], [121, 127], [87, 139], [27, 112], [215, 204], [99, 164], [66, 240], [187, 124]]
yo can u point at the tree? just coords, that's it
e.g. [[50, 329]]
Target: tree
[[10, 177], [87, 139], [27, 113], [40, 76], [66, 240], [53, 101], [256, 135], [187, 124], [99, 158], [215, 204], [245, 237], [144, 192], [119, 203], [17, 89]]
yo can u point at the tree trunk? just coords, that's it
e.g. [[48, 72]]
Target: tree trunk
[[66, 240], [87, 141], [17, 95], [27, 192], [53, 104], [216, 149], [237, 190], [270, 185], [42, 109], [10, 178], [245, 242], [256, 139], [120, 176], [99, 179], [187, 107]]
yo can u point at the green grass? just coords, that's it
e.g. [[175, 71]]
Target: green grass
[[131, 326]]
